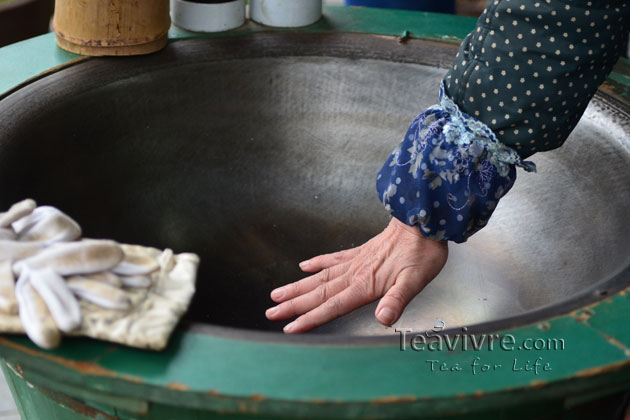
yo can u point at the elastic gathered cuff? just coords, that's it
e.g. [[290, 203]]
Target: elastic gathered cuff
[[448, 173]]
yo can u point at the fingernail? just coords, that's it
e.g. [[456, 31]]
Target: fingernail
[[277, 294], [304, 263], [271, 311], [289, 327], [386, 316]]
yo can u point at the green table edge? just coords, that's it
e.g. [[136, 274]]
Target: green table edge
[[243, 375]]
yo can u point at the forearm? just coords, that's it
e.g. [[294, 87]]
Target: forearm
[[520, 83], [530, 68]]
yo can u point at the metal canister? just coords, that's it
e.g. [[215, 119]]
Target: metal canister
[[285, 13]]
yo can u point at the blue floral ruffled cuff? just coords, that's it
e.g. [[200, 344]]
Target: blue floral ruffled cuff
[[448, 174]]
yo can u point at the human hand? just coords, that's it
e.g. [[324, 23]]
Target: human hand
[[395, 265]]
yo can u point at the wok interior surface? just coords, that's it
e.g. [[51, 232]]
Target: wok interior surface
[[257, 163]]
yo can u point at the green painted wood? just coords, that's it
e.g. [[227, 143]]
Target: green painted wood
[[34, 405], [95, 399], [200, 371], [24, 60], [389, 22], [15, 389], [611, 322], [43, 54], [618, 83]]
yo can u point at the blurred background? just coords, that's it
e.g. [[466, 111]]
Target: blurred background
[[23, 19]]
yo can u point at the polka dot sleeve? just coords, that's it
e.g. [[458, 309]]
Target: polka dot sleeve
[[530, 68], [519, 84]]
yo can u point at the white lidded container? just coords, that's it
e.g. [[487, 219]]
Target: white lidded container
[[208, 15], [285, 13]]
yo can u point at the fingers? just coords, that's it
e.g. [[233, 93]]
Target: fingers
[[349, 279], [308, 301], [340, 304], [292, 290], [328, 260], [390, 308]]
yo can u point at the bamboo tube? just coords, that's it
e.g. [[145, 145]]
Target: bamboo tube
[[111, 27]]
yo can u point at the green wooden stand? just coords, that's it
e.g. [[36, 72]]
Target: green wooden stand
[[204, 375]]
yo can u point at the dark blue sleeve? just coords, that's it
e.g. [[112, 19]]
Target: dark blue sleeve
[[519, 84]]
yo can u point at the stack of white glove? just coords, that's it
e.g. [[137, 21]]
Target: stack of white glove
[[97, 288]]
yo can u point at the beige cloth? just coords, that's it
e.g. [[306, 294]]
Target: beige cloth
[[154, 311]]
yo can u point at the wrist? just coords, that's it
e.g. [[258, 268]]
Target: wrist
[[414, 233]]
